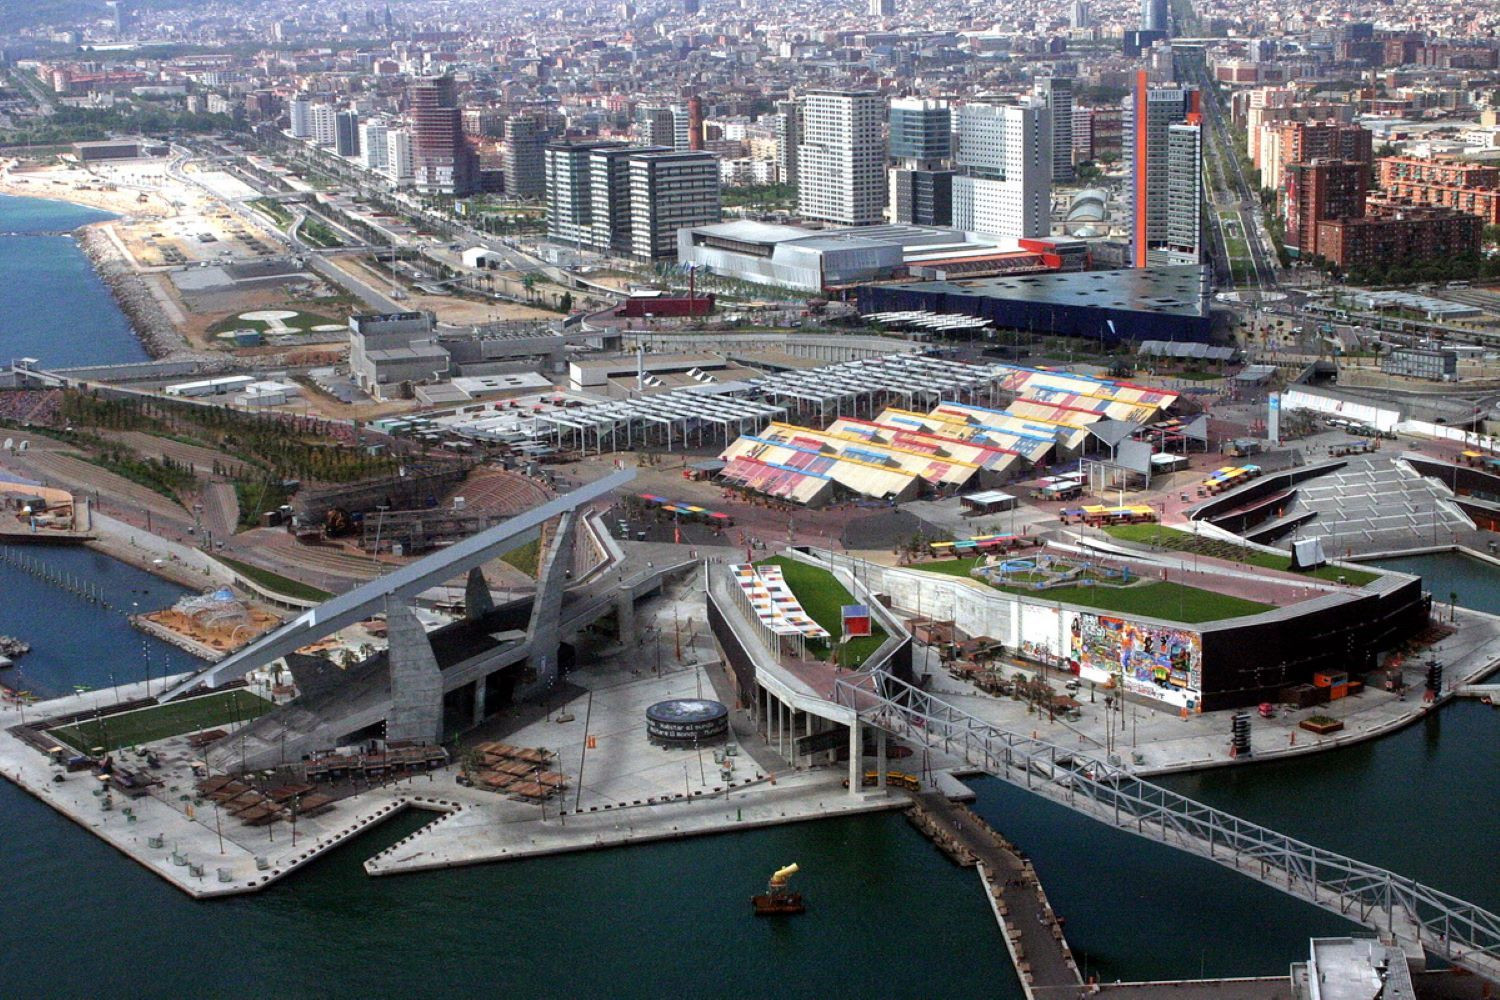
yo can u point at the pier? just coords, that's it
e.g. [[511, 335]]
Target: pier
[[1487, 693], [175, 834], [68, 582], [1033, 932]]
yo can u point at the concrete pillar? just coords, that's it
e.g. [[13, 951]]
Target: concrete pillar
[[416, 681], [477, 599], [880, 756], [855, 777], [480, 688], [546, 610], [625, 614]]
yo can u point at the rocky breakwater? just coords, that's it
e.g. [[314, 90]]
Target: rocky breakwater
[[140, 305]]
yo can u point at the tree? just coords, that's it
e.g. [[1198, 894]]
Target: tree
[[565, 304]]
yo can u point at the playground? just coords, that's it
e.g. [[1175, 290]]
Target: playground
[[1175, 586], [1047, 571]]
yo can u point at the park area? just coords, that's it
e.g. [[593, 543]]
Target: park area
[[823, 598], [1162, 537], [1162, 599], [148, 725]]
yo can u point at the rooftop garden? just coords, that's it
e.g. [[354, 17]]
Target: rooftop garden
[[1154, 599], [823, 598], [1163, 537]]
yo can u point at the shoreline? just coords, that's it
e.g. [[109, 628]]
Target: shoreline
[[152, 327], [36, 183], [150, 323]]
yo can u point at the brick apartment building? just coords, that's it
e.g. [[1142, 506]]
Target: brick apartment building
[[1471, 188], [1398, 235], [1321, 191]]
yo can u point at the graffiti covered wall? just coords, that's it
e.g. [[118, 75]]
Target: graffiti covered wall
[[1151, 660]]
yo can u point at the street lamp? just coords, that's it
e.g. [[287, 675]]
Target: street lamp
[[379, 524]]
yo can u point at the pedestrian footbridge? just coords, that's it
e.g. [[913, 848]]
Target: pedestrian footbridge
[[1419, 918]]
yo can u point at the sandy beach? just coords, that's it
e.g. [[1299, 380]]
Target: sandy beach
[[139, 192], [79, 187]]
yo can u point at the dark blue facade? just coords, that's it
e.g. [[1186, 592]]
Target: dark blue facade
[[1076, 305]]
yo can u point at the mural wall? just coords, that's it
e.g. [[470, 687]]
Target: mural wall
[[1043, 634], [1150, 660]]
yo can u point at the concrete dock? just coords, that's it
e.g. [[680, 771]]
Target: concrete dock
[[637, 793], [194, 847]]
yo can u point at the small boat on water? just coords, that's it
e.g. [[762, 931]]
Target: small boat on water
[[778, 900]]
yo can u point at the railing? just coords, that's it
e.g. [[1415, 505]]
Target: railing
[[1413, 914]]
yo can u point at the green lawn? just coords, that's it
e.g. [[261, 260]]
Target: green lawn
[[823, 598], [525, 558], [1183, 541], [951, 567], [1173, 602], [147, 725], [1169, 601], [302, 322], [275, 582]]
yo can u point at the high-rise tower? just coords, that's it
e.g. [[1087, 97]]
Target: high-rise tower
[[443, 162], [841, 160]]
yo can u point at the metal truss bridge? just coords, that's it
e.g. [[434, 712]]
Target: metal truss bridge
[[1414, 915]]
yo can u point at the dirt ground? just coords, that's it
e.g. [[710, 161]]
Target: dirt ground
[[456, 311], [205, 308]]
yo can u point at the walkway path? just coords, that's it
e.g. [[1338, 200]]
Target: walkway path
[[1033, 932]]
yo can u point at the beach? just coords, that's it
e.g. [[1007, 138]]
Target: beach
[[74, 184]]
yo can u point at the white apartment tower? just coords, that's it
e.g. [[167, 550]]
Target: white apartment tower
[[301, 115], [626, 200], [841, 159], [1004, 182], [374, 144], [324, 124], [1184, 243], [400, 158]]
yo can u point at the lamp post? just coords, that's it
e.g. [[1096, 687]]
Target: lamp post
[[379, 525]]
